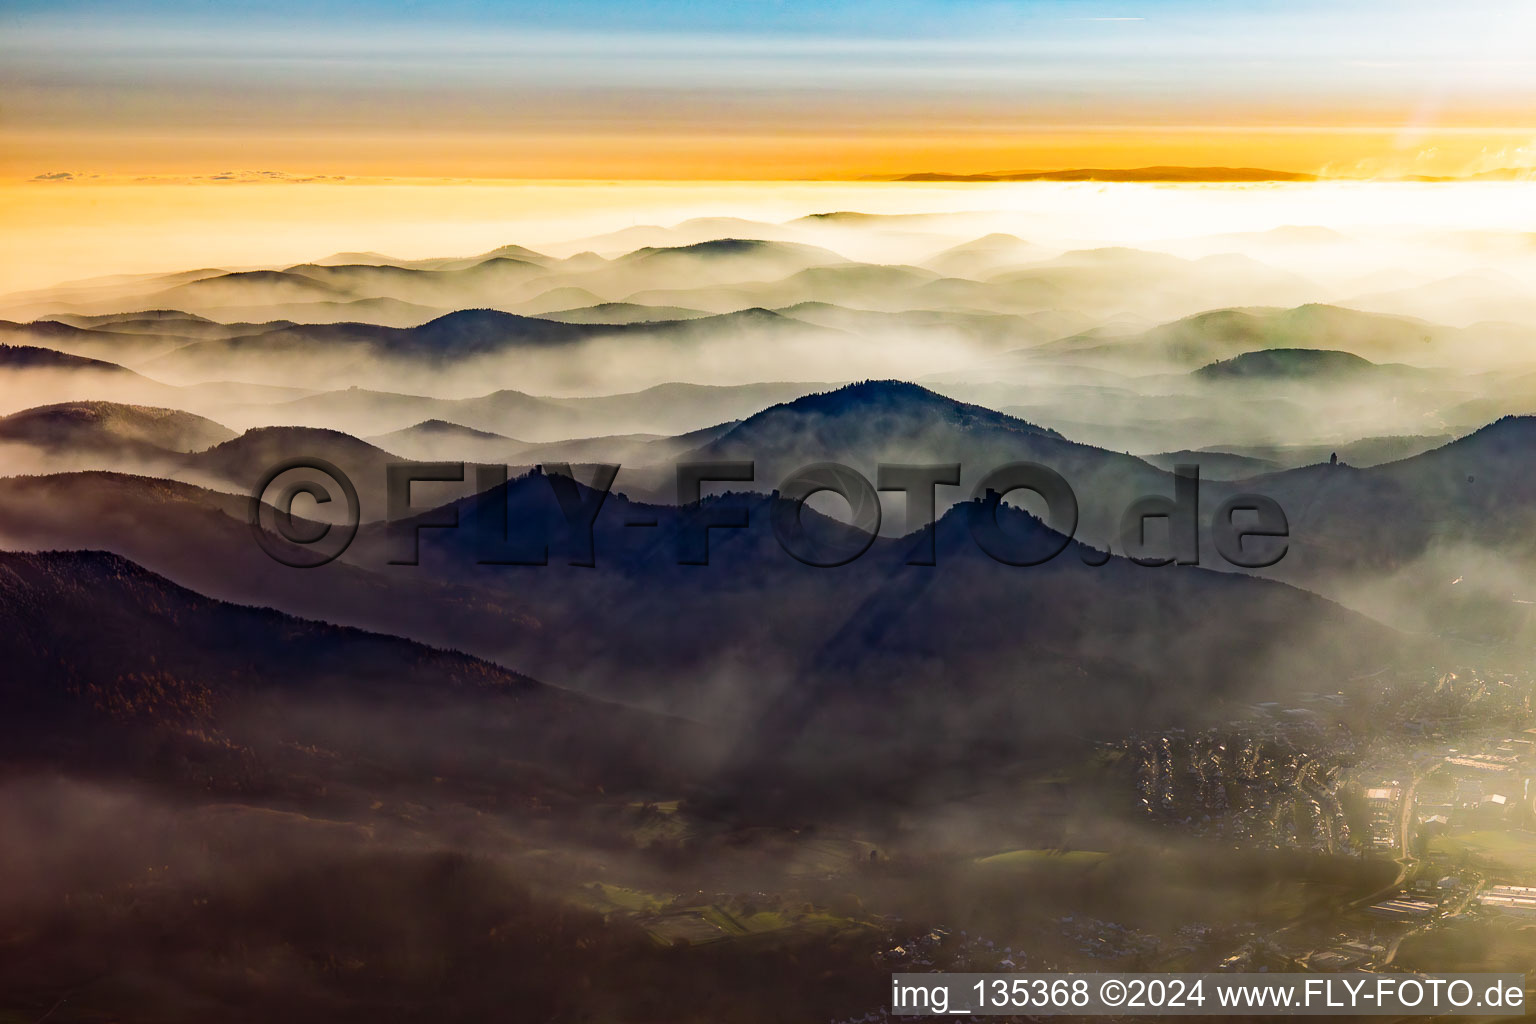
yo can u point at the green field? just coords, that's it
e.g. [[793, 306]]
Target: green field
[[1510, 855], [1043, 860]]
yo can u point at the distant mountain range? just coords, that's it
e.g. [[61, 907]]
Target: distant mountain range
[[665, 409], [1231, 333], [1365, 452], [1164, 173], [1175, 173], [484, 343]]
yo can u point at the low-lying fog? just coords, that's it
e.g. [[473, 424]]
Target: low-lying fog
[[1092, 309]]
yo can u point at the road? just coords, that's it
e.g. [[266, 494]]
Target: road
[[1406, 858]]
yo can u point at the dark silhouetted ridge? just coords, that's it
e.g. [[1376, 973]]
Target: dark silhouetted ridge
[[1287, 363], [31, 357], [891, 397], [94, 425]]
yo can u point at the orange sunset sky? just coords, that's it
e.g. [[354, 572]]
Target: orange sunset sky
[[667, 89]]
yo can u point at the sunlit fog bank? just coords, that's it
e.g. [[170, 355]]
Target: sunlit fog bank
[[67, 230], [1101, 310]]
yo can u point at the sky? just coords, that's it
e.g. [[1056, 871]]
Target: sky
[[753, 89]]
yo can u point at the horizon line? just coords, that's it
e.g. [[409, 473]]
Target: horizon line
[[1135, 174]]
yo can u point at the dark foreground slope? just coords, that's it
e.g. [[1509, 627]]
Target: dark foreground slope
[[210, 811], [113, 668], [200, 539]]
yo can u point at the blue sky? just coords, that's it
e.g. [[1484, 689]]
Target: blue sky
[[212, 77]]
